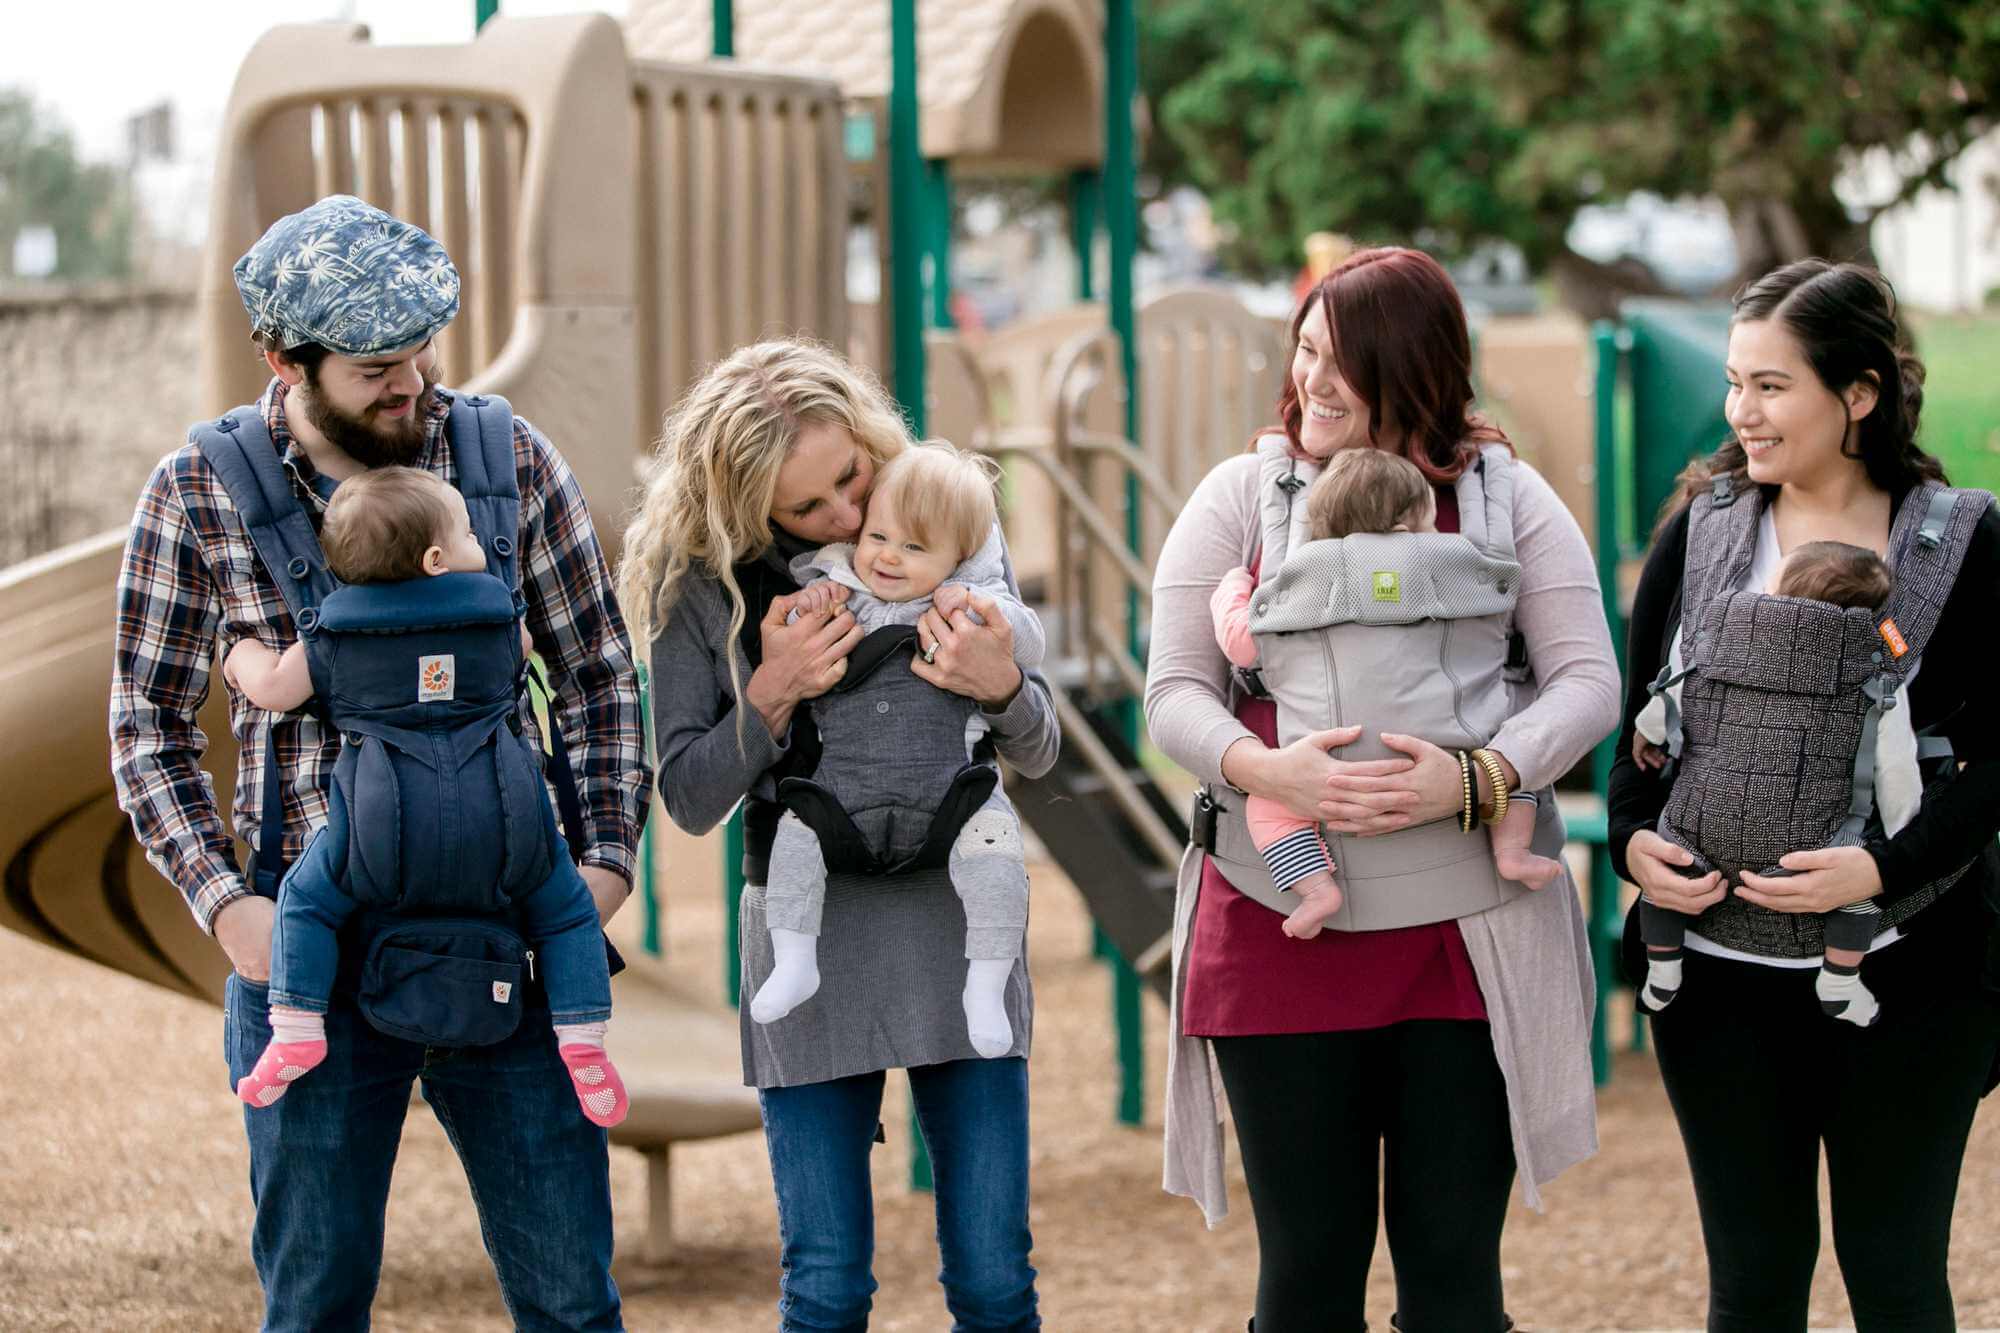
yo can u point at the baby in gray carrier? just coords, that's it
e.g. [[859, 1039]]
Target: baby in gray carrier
[[901, 758], [1384, 512], [1837, 575]]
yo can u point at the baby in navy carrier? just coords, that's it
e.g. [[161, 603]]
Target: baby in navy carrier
[[1841, 575], [893, 744], [406, 535], [1361, 491]]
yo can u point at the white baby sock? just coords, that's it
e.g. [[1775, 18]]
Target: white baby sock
[[985, 1002], [1844, 997], [794, 975]]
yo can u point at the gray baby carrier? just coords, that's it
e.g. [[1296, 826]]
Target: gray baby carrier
[[1773, 737], [1410, 631], [883, 797]]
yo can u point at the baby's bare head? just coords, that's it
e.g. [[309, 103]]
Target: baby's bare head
[[380, 523], [1835, 572], [1369, 490]]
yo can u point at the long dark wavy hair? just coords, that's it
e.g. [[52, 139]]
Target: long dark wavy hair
[[1844, 317], [1399, 338]]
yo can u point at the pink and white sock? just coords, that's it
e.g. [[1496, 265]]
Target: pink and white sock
[[599, 1090], [298, 1042]]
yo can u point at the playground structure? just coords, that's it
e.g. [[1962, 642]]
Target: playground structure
[[620, 221]]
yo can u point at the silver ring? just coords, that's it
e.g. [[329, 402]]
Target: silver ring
[[930, 653]]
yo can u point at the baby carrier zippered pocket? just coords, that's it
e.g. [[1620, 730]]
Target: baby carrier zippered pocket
[[446, 981]]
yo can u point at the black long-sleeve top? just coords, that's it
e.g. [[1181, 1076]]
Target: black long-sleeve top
[[1957, 691]]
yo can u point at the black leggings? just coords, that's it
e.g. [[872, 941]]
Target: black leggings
[[1314, 1113], [1759, 1078]]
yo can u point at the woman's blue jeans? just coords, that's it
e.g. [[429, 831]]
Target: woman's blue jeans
[[974, 1116]]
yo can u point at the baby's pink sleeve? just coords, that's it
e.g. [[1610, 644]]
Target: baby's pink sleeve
[[1230, 605], [1269, 821]]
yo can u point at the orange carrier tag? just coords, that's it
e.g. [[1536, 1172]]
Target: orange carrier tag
[[1894, 638]]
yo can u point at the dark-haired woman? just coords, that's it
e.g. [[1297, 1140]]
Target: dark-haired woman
[[1410, 1070], [1823, 401]]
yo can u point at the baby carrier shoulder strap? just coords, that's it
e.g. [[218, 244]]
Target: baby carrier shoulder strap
[[244, 457], [239, 449], [1927, 543], [1721, 543], [481, 431], [1281, 479]]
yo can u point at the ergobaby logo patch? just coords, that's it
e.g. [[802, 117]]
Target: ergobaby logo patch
[[437, 676], [1388, 586], [1892, 636], [501, 991]]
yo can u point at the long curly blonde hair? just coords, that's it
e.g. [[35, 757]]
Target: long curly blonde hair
[[707, 502]]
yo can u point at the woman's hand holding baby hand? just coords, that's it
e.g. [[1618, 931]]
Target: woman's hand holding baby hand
[[1653, 861], [1350, 796], [1824, 879], [803, 659], [966, 657]]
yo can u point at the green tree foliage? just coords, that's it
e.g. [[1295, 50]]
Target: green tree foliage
[[1460, 121], [43, 183]]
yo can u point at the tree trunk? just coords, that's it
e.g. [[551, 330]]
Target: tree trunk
[[1772, 231], [1593, 290]]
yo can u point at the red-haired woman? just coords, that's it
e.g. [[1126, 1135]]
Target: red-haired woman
[[1452, 1052]]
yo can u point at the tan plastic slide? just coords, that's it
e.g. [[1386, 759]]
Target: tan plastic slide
[[618, 224]]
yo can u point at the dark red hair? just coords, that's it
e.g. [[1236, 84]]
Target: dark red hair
[[1400, 341]]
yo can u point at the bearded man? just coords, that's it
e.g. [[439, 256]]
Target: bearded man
[[344, 303]]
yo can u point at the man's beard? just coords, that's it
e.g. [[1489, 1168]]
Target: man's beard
[[371, 439]]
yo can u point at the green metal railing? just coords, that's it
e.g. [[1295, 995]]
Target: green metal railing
[[1659, 396]]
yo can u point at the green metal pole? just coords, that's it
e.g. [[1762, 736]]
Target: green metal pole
[[723, 26], [1086, 197], [906, 214], [1121, 210], [649, 898], [937, 229], [483, 10], [1609, 343], [907, 191], [732, 908], [722, 31]]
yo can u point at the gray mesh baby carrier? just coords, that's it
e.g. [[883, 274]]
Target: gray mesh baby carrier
[[1409, 632], [1773, 738]]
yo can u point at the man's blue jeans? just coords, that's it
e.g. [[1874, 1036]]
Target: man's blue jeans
[[321, 1156], [974, 1115]]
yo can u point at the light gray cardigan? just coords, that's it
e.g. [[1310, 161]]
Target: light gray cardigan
[[1531, 955]]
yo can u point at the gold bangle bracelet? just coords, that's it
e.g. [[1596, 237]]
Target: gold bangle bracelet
[[1497, 777], [1468, 813]]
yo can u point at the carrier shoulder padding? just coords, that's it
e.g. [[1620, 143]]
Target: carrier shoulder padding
[[239, 449], [1389, 579], [481, 431]]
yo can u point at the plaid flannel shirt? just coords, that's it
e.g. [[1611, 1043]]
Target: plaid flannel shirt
[[191, 585]]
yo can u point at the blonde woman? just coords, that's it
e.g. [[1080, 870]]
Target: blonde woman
[[771, 456]]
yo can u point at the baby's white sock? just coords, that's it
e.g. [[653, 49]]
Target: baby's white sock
[[985, 1002], [794, 975], [1663, 980], [1843, 996]]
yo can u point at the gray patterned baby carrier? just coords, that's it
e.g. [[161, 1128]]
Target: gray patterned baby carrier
[[1773, 737], [1412, 632]]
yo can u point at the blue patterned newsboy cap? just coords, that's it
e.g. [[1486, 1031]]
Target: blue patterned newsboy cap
[[346, 275]]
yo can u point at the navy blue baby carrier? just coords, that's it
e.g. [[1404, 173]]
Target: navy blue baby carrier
[[438, 806]]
